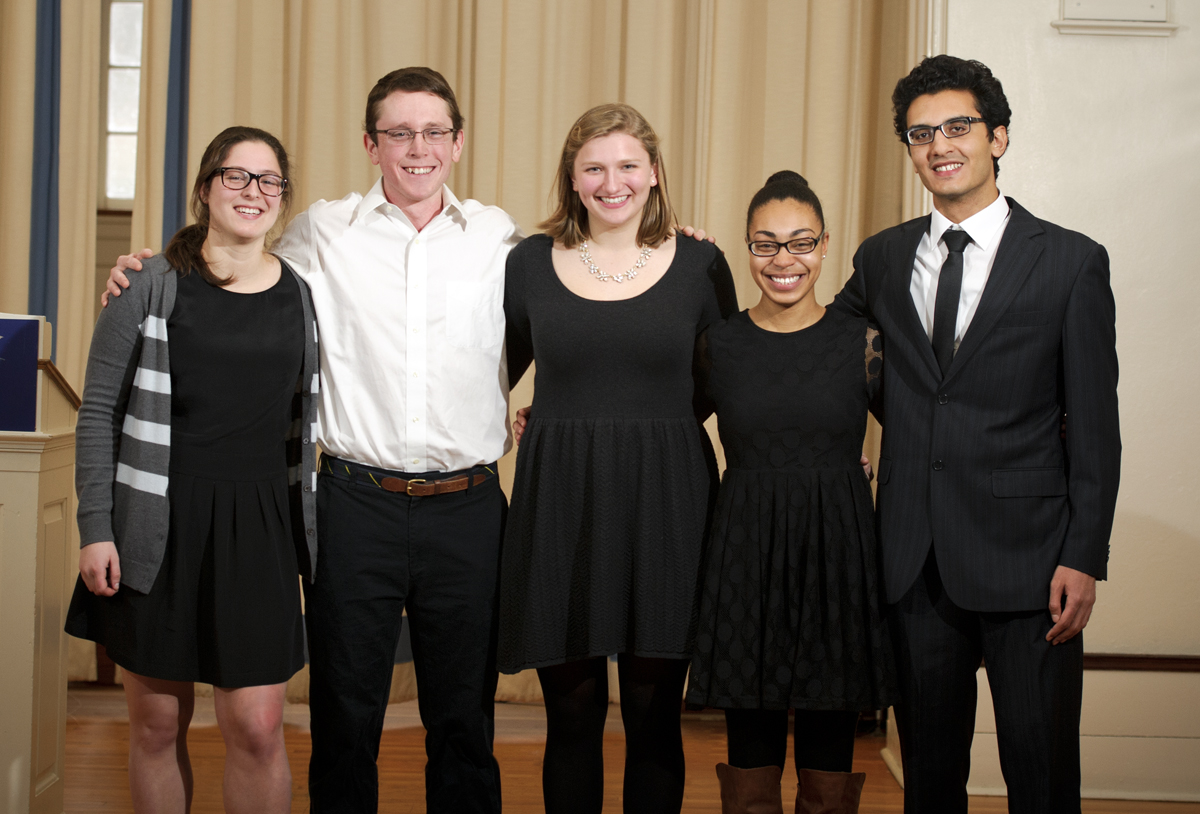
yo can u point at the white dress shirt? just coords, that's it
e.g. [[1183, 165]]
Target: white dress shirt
[[412, 329], [985, 227]]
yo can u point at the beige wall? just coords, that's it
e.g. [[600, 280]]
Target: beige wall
[[1105, 140]]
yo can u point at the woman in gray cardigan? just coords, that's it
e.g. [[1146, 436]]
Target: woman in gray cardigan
[[195, 473]]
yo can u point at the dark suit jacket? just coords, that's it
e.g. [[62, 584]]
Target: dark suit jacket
[[974, 463]]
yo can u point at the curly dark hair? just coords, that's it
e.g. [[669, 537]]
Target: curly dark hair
[[944, 72]]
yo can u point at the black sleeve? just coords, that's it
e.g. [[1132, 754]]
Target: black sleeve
[[874, 371], [721, 299], [852, 299], [518, 338], [702, 402]]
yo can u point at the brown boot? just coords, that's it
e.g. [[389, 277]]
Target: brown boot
[[829, 792], [750, 791]]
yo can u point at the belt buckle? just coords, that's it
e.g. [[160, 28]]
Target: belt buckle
[[408, 487]]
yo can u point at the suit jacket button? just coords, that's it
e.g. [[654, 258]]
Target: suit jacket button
[[937, 465], [943, 398]]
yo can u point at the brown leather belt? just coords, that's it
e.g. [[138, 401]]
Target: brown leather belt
[[420, 487]]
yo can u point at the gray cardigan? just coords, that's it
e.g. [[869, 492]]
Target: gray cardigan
[[123, 437]]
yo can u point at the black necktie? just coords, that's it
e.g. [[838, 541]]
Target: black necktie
[[945, 307]]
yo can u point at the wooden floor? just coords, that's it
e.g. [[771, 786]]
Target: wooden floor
[[97, 741]]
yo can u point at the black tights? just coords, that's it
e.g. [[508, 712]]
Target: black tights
[[576, 705], [824, 739]]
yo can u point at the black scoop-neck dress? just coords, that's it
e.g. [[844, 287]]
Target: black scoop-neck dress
[[603, 541]]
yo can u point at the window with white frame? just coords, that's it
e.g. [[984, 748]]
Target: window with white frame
[[121, 84]]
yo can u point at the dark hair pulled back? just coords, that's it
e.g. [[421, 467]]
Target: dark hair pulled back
[[785, 185], [185, 251]]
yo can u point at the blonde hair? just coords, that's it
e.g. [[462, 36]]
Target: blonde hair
[[569, 223]]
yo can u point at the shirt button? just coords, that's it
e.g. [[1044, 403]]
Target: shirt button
[[311, 532], [308, 488], [416, 375], [943, 398], [416, 460], [937, 466], [303, 440], [415, 420], [416, 330]]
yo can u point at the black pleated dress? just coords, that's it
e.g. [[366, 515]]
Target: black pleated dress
[[603, 541], [225, 606], [791, 605]]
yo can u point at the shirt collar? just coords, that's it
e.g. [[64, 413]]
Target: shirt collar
[[375, 200], [983, 226]]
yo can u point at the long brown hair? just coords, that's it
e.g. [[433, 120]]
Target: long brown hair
[[185, 251], [569, 223]]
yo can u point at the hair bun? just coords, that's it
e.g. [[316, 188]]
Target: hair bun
[[786, 177]]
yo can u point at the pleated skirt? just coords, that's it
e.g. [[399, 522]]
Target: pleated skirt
[[225, 606], [603, 542], [792, 611]]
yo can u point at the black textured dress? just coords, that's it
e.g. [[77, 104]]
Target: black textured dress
[[603, 541], [792, 608], [225, 606]]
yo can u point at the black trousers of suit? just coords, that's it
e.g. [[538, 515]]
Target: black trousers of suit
[[384, 553], [1037, 691]]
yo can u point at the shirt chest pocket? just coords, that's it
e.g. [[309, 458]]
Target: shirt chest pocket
[[474, 314]]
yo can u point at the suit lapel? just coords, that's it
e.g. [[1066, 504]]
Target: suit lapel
[[902, 253], [1018, 251]]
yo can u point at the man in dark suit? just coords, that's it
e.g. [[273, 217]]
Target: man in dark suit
[[994, 524]]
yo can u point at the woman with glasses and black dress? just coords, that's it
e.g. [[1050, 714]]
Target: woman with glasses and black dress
[[791, 603], [199, 384]]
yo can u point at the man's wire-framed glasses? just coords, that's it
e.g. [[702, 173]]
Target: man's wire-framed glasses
[[269, 184], [770, 248], [432, 135]]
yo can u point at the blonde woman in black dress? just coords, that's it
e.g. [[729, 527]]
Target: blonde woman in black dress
[[791, 609], [603, 543]]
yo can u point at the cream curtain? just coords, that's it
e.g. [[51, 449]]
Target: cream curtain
[[737, 89], [18, 48], [146, 225], [78, 173]]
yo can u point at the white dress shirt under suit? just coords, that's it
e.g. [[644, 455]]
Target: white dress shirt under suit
[[985, 227]]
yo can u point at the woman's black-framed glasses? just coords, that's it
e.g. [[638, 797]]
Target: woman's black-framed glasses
[[770, 248], [268, 184]]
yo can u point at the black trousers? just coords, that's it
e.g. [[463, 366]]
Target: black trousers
[[382, 553], [1037, 692]]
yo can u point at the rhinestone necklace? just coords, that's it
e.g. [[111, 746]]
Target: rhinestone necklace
[[585, 257]]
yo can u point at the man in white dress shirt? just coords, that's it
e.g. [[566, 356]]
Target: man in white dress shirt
[[994, 526], [407, 283], [408, 286]]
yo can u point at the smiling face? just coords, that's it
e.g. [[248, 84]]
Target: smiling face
[[242, 215], [413, 173], [787, 279], [613, 176], [957, 171]]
